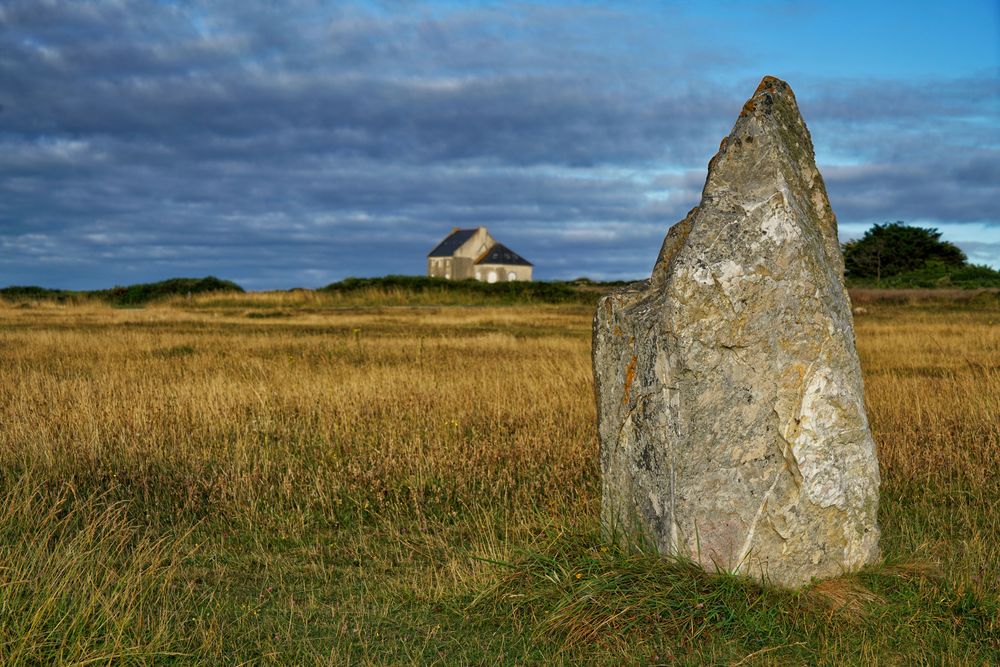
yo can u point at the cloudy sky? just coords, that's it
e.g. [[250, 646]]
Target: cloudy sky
[[295, 143]]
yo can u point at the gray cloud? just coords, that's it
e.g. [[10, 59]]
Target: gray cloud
[[303, 143], [956, 188]]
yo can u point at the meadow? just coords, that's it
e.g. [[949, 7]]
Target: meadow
[[365, 478]]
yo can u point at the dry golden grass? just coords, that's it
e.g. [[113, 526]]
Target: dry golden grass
[[933, 393], [861, 296], [372, 464], [305, 410]]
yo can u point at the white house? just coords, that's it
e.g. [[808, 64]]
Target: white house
[[473, 253]]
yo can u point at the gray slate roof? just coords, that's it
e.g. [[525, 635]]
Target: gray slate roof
[[501, 254], [451, 243]]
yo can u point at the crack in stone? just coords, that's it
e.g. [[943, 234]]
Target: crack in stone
[[752, 532]]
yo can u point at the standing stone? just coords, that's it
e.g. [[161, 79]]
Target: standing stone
[[730, 401]]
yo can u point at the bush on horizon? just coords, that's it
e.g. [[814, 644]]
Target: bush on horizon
[[535, 290], [125, 296]]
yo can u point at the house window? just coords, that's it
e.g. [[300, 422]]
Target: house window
[[491, 277], [511, 277], [479, 275]]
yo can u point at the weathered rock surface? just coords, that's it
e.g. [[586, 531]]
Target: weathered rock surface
[[730, 399]]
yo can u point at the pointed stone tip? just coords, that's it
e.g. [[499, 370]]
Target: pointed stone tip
[[771, 82], [772, 95], [769, 87]]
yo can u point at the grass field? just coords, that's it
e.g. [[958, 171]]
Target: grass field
[[305, 479]]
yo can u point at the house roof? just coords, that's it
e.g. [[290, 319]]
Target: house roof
[[501, 254], [451, 243]]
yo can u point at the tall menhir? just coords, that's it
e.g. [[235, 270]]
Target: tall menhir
[[730, 400]]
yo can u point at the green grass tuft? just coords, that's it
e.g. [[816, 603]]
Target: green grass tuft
[[82, 583]]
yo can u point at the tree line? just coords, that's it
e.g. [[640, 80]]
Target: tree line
[[894, 254]]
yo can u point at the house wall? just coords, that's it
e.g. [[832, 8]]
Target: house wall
[[451, 268], [439, 267], [462, 268], [503, 271]]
